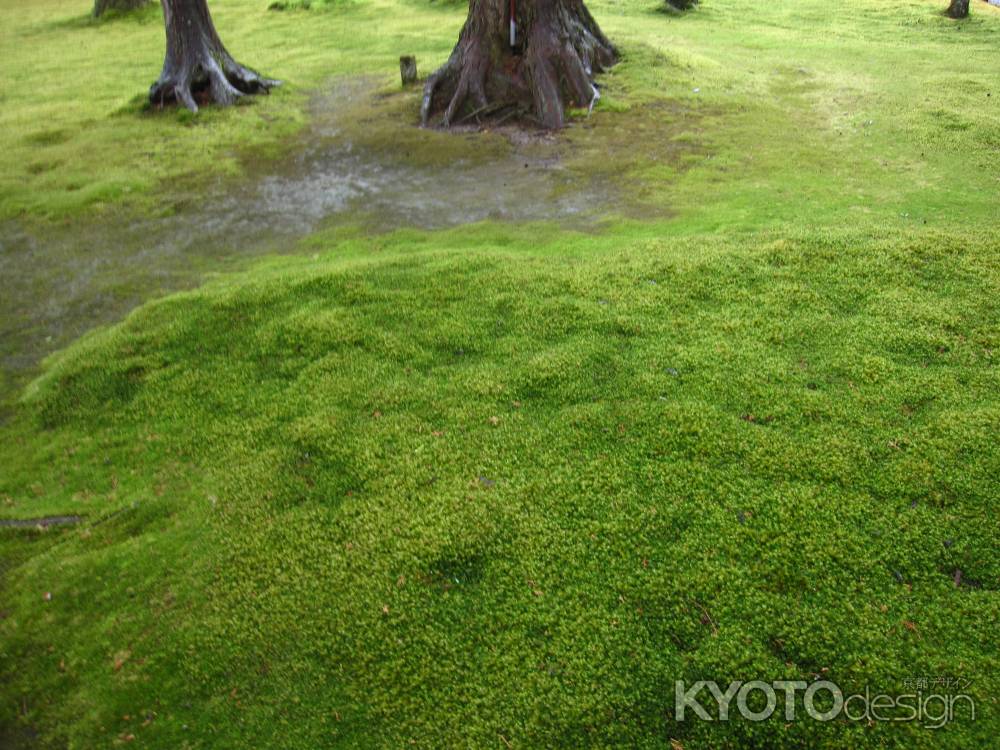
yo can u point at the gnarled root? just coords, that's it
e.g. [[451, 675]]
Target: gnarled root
[[462, 77], [208, 79], [562, 50]]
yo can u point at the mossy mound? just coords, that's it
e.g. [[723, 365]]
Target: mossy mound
[[431, 492]]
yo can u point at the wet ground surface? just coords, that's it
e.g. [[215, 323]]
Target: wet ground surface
[[59, 282]]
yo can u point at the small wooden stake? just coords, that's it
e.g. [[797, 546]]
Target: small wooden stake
[[408, 69]]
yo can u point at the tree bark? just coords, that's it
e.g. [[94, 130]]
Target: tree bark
[[958, 9], [197, 66], [102, 6], [557, 51], [682, 4]]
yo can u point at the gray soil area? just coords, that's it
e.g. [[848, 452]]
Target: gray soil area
[[61, 281]]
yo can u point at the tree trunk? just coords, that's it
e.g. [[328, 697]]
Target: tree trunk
[[197, 67], [102, 6], [682, 4], [557, 49], [958, 9]]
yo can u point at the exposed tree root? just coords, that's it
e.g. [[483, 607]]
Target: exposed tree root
[[208, 81], [44, 522], [554, 66]]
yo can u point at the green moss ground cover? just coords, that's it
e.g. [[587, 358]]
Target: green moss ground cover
[[502, 485]]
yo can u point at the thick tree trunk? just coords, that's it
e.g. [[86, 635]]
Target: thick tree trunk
[[557, 50], [103, 6], [958, 9], [197, 66]]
